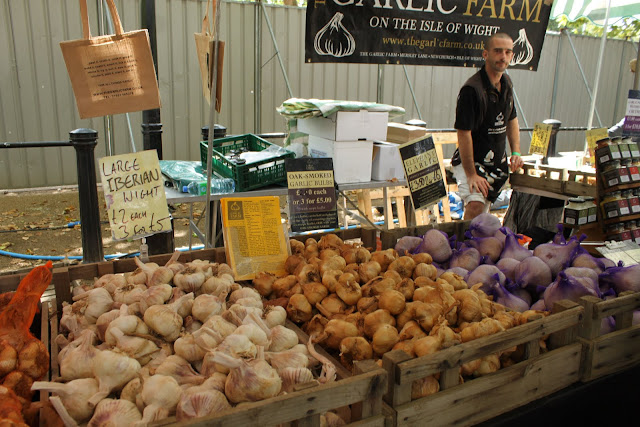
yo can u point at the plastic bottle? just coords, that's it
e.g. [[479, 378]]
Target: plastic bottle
[[218, 186]]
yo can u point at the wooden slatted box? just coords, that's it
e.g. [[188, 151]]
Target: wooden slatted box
[[480, 399], [615, 351], [363, 393]]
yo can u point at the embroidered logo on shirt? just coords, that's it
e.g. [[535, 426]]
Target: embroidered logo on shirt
[[500, 120], [488, 159]]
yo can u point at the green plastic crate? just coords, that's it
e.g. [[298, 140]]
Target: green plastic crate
[[250, 175]]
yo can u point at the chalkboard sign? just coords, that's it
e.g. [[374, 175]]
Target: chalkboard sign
[[134, 194], [312, 194], [423, 172]]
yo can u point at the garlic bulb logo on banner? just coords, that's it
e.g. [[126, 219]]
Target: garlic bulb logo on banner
[[522, 49], [334, 39]]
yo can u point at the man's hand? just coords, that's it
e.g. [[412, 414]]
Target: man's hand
[[515, 163], [478, 184]]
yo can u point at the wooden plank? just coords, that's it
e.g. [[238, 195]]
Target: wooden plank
[[544, 184], [579, 189], [397, 393], [411, 370], [614, 352], [623, 303], [497, 393], [10, 282], [54, 369], [297, 405], [446, 207]]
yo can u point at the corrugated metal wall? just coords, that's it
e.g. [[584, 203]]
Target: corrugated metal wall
[[37, 104]]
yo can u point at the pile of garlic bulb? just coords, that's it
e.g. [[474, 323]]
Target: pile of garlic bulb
[[181, 339], [360, 305]]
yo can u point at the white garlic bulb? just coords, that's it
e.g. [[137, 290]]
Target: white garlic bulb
[[98, 301], [161, 395], [113, 371], [128, 294], [244, 293], [205, 306], [220, 325], [282, 338], [294, 376], [275, 315], [249, 381], [189, 279], [115, 412], [76, 359], [200, 404], [178, 368], [73, 395]]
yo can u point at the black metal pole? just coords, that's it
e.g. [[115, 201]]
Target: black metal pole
[[151, 117], [84, 141], [160, 243]]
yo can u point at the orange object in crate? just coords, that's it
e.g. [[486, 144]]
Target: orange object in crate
[[524, 240]]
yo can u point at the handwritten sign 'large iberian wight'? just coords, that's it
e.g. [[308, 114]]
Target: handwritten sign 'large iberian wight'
[[423, 172], [423, 32], [312, 194], [134, 193]]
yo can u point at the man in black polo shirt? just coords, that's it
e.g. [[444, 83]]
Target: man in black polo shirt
[[485, 119]]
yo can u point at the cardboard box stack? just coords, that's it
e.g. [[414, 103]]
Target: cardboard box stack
[[347, 137], [387, 163]]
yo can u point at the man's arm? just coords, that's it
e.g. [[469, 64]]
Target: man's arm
[[465, 148], [513, 135]]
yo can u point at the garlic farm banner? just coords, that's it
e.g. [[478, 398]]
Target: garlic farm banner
[[423, 32]]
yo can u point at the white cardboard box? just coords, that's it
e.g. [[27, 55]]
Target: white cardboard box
[[351, 159], [387, 163], [347, 126]]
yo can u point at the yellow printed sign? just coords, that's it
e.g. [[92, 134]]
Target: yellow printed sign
[[254, 237], [540, 139], [134, 192], [593, 136]]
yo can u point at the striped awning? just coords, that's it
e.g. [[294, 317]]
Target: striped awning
[[596, 10]]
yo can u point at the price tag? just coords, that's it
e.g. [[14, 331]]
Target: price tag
[[631, 126], [540, 139], [593, 136], [134, 193], [312, 194], [423, 172], [254, 238]]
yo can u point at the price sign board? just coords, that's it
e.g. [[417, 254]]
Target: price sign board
[[312, 194], [423, 172], [593, 136], [134, 193], [631, 126], [254, 238], [540, 139]]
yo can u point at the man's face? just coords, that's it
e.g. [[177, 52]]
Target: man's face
[[498, 55]]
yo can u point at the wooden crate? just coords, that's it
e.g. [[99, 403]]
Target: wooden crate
[[577, 184], [480, 399], [613, 352], [363, 393], [542, 178]]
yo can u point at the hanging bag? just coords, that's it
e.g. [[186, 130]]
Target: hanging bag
[[205, 50], [111, 74]]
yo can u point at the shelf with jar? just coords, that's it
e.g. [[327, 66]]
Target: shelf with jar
[[618, 188]]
